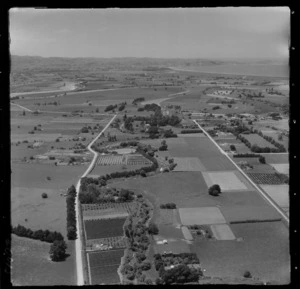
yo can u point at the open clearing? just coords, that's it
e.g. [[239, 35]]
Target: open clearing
[[176, 247], [31, 265], [264, 252], [201, 216], [188, 164], [279, 193], [222, 232], [282, 168], [29, 209]]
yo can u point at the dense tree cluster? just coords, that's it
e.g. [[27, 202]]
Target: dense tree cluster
[[181, 273], [152, 107], [163, 146], [58, 250], [168, 206], [214, 190], [122, 106], [136, 100], [110, 107], [71, 214], [42, 235], [185, 131]]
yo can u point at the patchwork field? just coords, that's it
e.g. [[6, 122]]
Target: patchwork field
[[228, 181], [201, 216], [279, 193], [263, 251], [104, 228], [188, 164], [31, 265], [222, 232], [258, 140], [282, 168]]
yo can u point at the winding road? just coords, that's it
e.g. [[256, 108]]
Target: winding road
[[78, 242], [269, 200]]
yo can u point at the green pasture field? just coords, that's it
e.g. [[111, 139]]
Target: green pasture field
[[279, 193], [34, 176], [222, 232], [264, 251], [201, 216], [29, 209], [274, 134], [276, 158], [188, 164], [31, 264]]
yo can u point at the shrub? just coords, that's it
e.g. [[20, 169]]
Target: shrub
[[232, 147], [247, 274], [58, 251], [214, 190], [48, 178], [44, 196], [153, 229], [262, 159]]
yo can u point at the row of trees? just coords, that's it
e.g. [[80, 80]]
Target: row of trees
[[42, 235], [110, 107], [71, 214], [185, 131], [278, 145], [168, 206]]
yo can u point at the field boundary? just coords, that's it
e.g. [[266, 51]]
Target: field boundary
[[282, 213]]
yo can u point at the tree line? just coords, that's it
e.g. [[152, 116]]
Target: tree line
[[71, 214]]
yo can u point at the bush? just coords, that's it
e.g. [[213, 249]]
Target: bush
[[44, 196], [153, 229], [146, 266], [247, 274], [214, 190], [232, 147], [168, 206], [58, 251], [262, 159]]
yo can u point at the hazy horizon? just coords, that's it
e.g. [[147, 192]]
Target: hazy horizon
[[179, 33]]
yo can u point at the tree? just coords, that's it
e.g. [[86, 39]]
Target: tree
[[232, 147], [153, 229], [214, 190], [58, 251], [262, 159], [247, 274], [44, 196]]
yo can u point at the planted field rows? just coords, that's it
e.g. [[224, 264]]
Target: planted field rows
[[258, 140], [137, 160], [107, 209], [104, 228], [266, 179], [105, 160], [104, 266], [115, 242]]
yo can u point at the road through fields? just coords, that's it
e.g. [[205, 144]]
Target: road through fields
[[78, 242]]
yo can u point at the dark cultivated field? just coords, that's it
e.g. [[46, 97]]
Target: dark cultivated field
[[104, 266], [105, 228]]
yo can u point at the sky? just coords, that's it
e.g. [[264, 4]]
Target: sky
[[213, 33]]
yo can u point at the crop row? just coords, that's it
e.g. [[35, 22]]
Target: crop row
[[266, 179], [111, 160]]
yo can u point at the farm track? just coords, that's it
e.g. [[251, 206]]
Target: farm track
[[265, 196], [78, 242]]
